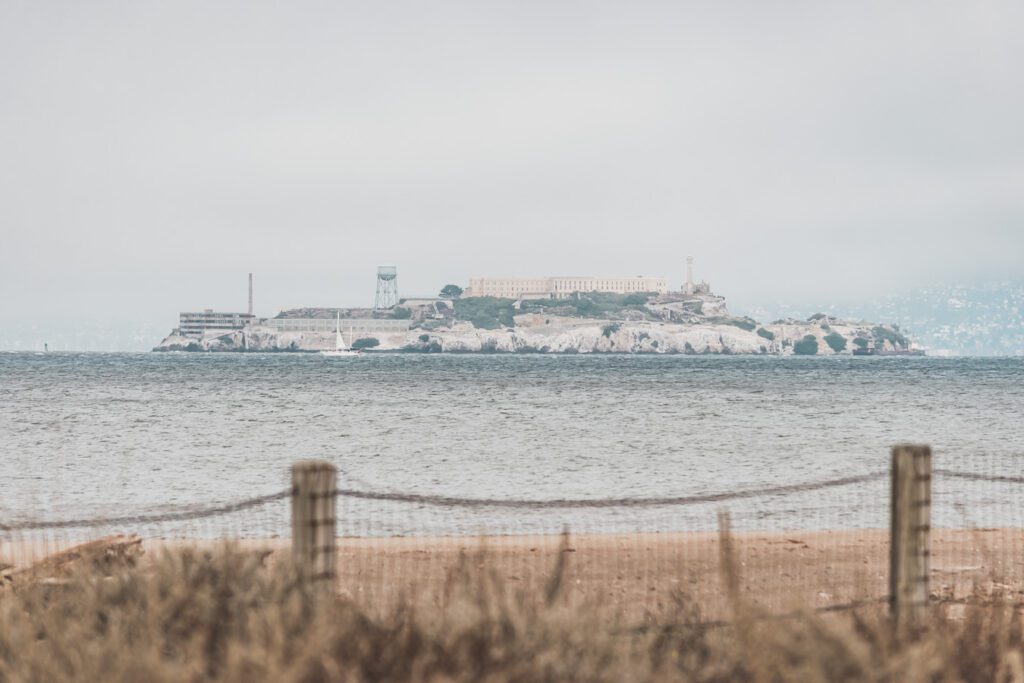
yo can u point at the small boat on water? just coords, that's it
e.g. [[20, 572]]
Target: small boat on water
[[872, 350], [341, 350]]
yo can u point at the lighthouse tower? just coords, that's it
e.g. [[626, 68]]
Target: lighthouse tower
[[690, 288]]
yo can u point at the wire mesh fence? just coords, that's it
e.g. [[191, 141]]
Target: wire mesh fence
[[978, 535], [643, 556], [822, 544], [43, 544]]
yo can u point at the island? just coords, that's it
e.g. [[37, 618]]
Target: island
[[691, 320]]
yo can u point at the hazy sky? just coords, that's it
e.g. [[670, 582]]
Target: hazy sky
[[153, 153]]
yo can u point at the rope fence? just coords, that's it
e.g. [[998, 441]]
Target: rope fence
[[563, 503], [146, 519], [646, 557]]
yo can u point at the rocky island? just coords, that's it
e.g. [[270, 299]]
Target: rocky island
[[680, 322]]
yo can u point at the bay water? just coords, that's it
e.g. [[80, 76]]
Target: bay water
[[103, 434]]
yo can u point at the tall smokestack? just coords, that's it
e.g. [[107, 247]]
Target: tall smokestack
[[250, 293]]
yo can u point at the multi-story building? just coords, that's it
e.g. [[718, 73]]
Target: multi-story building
[[510, 287], [562, 287], [197, 324]]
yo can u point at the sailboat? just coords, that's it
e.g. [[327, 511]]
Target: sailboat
[[340, 349]]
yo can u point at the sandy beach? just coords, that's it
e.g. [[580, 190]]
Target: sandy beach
[[646, 576], [642, 576]]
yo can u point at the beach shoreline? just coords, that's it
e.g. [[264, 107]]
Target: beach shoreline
[[642, 576]]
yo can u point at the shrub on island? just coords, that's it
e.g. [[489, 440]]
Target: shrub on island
[[593, 304], [745, 324], [365, 343], [486, 312], [808, 346], [483, 321], [836, 341], [892, 336], [770, 336], [610, 329]]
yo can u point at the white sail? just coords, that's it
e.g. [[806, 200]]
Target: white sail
[[340, 347]]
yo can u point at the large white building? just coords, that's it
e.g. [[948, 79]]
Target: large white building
[[561, 287], [196, 324]]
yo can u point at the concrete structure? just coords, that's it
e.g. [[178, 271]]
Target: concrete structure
[[427, 306], [562, 287], [358, 327], [423, 301], [198, 324]]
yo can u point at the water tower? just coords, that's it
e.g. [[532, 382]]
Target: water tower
[[387, 288]]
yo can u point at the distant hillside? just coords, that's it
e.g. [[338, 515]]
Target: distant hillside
[[984, 319]]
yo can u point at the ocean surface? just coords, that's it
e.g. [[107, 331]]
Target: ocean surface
[[112, 434]]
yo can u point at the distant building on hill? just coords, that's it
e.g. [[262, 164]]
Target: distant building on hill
[[561, 287], [197, 324], [692, 287]]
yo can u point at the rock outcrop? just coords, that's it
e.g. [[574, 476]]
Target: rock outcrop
[[819, 336]]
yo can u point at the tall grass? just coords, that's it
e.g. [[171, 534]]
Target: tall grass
[[229, 615]]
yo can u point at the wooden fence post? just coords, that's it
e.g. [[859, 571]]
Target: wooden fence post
[[313, 518], [910, 534]]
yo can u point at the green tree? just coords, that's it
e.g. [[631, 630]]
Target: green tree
[[451, 291], [402, 313]]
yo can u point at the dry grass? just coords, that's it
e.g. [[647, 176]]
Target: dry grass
[[226, 615]]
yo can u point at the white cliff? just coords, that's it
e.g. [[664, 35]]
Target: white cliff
[[574, 335]]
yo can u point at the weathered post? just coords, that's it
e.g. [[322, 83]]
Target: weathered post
[[313, 519], [727, 558], [910, 535]]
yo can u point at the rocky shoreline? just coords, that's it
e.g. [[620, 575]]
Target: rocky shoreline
[[817, 336]]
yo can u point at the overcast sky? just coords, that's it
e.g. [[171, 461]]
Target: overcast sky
[[153, 153]]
